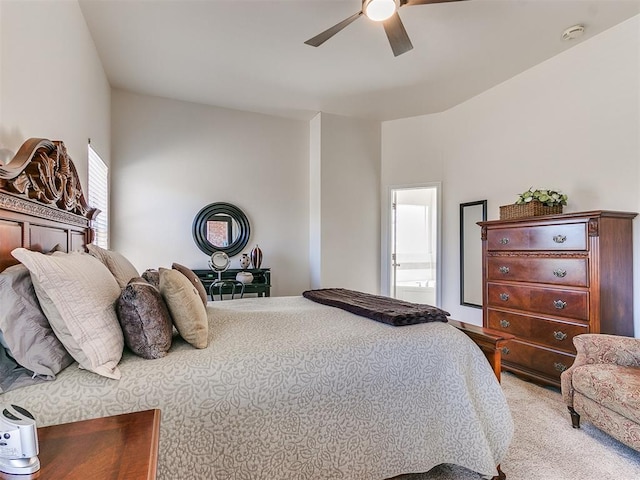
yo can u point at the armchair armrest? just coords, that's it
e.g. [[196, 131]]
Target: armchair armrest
[[613, 349], [594, 348]]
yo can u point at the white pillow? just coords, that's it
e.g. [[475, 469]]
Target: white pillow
[[121, 268], [77, 293]]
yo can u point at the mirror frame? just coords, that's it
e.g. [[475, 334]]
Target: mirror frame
[[212, 210], [475, 250]]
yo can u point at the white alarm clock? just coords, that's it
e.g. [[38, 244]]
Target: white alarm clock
[[18, 441]]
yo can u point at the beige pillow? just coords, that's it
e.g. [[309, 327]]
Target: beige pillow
[[188, 313], [78, 295], [121, 268], [193, 278]]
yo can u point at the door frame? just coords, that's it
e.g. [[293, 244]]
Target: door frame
[[385, 227]]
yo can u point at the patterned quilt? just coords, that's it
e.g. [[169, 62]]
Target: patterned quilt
[[291, 389]]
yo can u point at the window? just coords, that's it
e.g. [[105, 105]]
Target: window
[[98, 193]]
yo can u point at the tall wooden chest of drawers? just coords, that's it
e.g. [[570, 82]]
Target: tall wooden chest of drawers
[[547, 279]]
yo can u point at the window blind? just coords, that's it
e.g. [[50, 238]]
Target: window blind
[[98, 197]]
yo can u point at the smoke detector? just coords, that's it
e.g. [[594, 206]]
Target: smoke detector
[[572, 33]]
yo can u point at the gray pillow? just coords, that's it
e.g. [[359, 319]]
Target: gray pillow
[[145, 320], [12, 375], [27, 332]]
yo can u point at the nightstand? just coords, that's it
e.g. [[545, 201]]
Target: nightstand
[[121, 446]]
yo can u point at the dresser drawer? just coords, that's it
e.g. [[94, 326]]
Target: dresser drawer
[[549, 301], [541, 359], [539, 330], [556, 271], [543, 237]]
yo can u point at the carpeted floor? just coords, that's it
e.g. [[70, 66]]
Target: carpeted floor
[[546, 447]]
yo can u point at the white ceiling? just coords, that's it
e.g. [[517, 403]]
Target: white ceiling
[[250, 55]]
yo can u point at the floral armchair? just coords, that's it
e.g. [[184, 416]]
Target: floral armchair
[[603, 385]]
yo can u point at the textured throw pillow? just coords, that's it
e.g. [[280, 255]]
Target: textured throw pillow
[[152, 276], [188, 313], [77, 294], [27, 333], [193, 278], [121, 268], [145, 320]]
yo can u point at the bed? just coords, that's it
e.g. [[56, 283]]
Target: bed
[[286, 388]]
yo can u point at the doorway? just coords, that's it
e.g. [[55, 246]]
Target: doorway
[[414, 272]]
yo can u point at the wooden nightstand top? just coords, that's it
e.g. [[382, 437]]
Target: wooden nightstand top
[[121, 446]]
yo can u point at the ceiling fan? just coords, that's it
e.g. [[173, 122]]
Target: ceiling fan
[[385, 11]]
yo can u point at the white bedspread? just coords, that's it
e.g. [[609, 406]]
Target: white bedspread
[[290, 389]]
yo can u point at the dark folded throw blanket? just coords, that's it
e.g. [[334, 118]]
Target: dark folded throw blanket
[[382, 309]]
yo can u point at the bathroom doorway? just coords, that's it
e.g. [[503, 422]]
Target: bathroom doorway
[[414, 244]]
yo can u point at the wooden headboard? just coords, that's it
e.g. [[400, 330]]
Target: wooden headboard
[[41, 202]]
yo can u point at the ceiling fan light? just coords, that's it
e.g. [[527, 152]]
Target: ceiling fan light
[[380, 10]]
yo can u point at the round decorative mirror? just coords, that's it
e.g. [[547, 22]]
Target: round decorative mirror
[[221, 227]]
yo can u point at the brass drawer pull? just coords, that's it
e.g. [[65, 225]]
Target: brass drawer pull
[[559, 335], [559, 238], [560, 273], [561, 367], [504, 240], [506, 351], [504, 297], [504, 323], [559, 304], [504, 270]]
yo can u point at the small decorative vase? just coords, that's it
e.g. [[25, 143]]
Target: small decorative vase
[[245, 261], [256, 257], [244, 277]]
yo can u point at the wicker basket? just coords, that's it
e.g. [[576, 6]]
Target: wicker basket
[[530, 209]]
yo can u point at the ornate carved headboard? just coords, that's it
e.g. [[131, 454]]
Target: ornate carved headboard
[[41, 201]]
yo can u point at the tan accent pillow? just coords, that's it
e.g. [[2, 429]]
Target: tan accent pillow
[[193, 278], [78, 295], [188, 313], [121, 268]]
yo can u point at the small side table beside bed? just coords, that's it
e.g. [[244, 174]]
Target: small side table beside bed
[[108, 448]]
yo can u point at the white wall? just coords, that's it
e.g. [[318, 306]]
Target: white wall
[[52, 84], [315, 201], [571, 123], [345, 194], [172, 158]]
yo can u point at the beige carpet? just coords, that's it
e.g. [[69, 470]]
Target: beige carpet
[[546, 447]]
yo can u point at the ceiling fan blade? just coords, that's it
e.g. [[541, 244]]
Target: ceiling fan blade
[[330, 32], [397, 35], [425, 2]]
